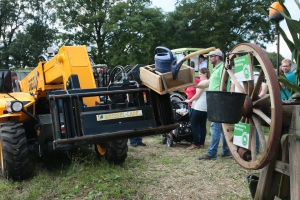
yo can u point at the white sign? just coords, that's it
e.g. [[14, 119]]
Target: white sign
[[242, 135], [243, 71]]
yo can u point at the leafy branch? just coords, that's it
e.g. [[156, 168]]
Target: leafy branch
[[294, 46]]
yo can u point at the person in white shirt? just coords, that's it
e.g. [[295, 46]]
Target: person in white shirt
[[199, 113], [202, 62]]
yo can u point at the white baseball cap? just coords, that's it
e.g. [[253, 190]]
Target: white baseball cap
[[216, 52]]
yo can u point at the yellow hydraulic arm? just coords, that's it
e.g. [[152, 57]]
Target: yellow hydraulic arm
[[54, 74]]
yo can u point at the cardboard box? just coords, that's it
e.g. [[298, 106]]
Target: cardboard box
[[163, 83]]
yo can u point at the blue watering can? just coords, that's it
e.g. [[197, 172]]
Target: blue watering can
[[166, 62], [163, 60]]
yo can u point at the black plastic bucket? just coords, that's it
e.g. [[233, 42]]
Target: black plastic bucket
[[252, 182], [224, 107]]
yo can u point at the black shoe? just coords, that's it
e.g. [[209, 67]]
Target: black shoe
[[227, 156], [207, 157], [141, 144], [134, 144]]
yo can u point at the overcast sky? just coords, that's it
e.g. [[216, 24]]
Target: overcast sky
[[169, 5]]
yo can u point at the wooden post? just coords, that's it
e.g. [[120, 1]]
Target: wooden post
[[285, 162], [294, 155], [265, 188]]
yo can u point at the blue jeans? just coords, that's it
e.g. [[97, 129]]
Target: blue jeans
[[190, 109], [216, 133], [136, 140], [198, 125]]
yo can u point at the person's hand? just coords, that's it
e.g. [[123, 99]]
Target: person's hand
[[187, 101]]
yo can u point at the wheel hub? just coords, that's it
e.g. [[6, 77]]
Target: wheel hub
[[247, 107]]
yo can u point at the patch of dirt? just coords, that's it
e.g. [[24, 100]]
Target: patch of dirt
[[176, 173]]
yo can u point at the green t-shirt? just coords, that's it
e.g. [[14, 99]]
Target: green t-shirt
[[215, 78]]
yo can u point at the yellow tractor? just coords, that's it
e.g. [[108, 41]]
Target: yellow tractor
[[61, 105]]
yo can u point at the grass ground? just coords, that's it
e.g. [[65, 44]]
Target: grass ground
[[152, 172]]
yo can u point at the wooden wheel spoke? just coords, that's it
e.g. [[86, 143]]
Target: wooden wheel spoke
[[262, 100], [262, 115], [260, 132], [253, 144], [243, 119], [233, 79], [250, 87], [257, 86]]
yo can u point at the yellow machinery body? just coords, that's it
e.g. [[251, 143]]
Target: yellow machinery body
[[54, 74], [57, 107]]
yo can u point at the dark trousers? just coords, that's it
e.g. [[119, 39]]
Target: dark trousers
[[198, 125], [136, 140]]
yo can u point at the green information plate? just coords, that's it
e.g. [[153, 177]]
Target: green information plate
[[242, 135], [243, 71]]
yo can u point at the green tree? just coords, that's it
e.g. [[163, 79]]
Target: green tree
[[35, 38], [82, 23], [28, 45], [219, 23], [25, 33], [13, 16], [136, 31], [121, 32], [177, 31], [273, 58]]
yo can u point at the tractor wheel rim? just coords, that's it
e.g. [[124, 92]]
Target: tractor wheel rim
[[101, 149], [254, 110]]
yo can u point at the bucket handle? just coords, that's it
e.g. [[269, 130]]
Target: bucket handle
[[165, 49]]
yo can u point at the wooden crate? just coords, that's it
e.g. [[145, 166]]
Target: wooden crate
[[163, 83]]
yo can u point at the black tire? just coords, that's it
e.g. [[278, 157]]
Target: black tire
[[115, 151], [176, 97], [13, 151], [164, 138], [170, 140]]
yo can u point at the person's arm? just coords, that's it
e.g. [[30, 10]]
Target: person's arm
[[264, 90], [203, 84], [232, 87], [196, 96]]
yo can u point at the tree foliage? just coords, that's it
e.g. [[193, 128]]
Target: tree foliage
[[121, 32], [36, 37], [126, 32], [273, 58], [136, 30], [220, 23], [25, 32], [13, 15]]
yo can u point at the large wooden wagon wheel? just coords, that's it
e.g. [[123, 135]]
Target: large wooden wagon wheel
[[266, 111]]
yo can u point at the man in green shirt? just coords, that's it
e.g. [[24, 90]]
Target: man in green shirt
[[216, 57]]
